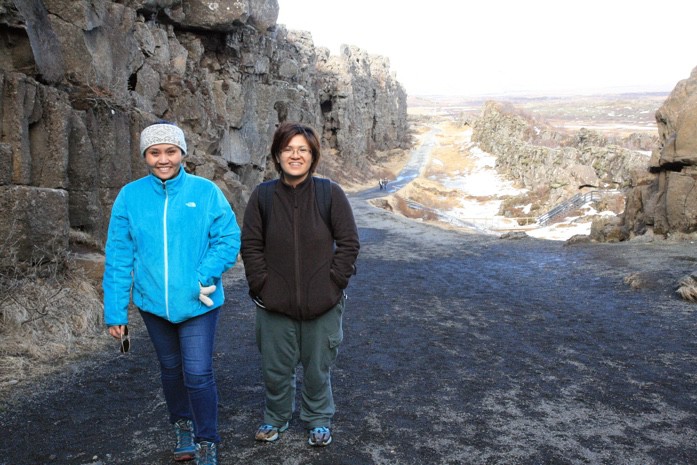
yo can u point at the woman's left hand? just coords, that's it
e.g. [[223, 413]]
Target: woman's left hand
[[117, 331]]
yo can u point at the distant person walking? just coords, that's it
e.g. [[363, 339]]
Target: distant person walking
[[171, 237], [297, 268]]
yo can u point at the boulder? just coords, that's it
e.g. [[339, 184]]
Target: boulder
[[223, 15], [34, 224], [661, 199], [608, 229]]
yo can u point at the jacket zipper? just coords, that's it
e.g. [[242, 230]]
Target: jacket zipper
[[296, 253], [166, 260]]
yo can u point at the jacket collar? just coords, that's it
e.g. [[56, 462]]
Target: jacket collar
[[300, 187], [171, 186]]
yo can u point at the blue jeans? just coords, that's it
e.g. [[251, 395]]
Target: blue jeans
[[185, 352]]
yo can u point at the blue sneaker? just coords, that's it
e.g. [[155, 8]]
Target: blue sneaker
[[185, 448], [206, 453], [320, 436], [270, 433]]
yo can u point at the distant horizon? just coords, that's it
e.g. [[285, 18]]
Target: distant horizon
[[539, 94], [557, 92]]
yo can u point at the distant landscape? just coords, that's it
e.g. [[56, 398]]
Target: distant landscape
[[618, 114], [616, 117]]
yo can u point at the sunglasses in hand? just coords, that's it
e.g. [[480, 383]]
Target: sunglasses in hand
[[125, 340]]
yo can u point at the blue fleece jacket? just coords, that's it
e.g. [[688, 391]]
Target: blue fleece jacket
[[164, 239]]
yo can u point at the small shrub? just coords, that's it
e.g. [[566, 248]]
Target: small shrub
[[687, 288]]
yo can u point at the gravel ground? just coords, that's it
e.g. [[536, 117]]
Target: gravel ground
[[459, 349]]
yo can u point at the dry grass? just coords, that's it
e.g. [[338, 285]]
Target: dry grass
[[402, 206], [385, 164], [512, 207], [431, 194], [687, 288], [50, 315], [450, 156]]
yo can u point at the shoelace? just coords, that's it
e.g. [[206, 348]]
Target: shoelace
[[320, 433], [206, 454], [185, 435]]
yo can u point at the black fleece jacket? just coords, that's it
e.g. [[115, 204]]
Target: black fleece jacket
[[299, 267]]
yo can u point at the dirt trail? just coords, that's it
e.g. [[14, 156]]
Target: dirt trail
[[459, 349]]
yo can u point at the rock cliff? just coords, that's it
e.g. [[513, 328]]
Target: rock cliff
[[663, 195], [553, 165], [80, 79]]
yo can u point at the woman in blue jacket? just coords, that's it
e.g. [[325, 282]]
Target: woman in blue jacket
[[171, 237]]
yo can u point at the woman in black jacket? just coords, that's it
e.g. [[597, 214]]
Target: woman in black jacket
[[297, 267]]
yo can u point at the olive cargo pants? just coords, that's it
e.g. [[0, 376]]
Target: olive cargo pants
[[283, 343]]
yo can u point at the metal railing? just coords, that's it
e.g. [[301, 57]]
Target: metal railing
[[487, 225], [491, 224], [570, 204]]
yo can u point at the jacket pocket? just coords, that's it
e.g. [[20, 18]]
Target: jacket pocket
[[322, 292], [256, 283], [339, 280], [276, 293]]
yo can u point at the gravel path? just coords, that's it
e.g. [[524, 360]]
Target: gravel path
[[459, 349]]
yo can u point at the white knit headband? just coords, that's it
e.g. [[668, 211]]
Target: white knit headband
[[162, 133]]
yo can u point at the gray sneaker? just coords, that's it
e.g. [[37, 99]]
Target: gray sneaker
[[270, 433], [206, 453], [185, 449], [320, 436]]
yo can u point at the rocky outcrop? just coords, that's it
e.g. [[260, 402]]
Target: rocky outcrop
[[360, 95], [663, 196], [80, 79], [551, 164]]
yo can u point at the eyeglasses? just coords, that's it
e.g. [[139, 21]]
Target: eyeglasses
[[302, 151], [125, 340]]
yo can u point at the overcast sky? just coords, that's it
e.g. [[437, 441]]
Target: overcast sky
[[460, 47]]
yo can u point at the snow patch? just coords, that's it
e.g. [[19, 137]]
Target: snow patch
[[483, 190]]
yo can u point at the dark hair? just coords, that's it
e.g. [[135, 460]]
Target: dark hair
[[284, 133]]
